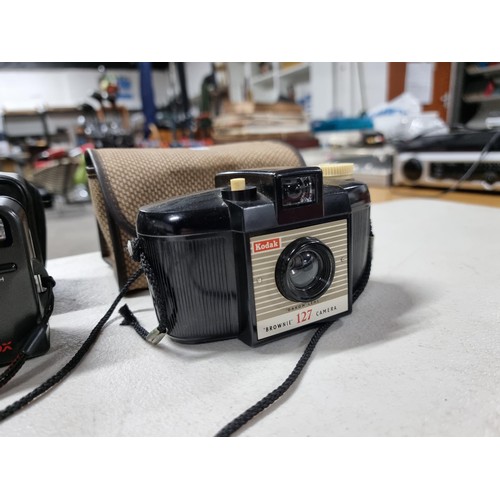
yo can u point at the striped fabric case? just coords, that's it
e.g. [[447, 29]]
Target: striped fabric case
[[122, 180]]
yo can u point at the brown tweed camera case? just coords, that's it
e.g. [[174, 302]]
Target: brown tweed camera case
[[123, 180]]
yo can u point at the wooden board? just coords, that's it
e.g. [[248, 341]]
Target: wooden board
[[381, 194]]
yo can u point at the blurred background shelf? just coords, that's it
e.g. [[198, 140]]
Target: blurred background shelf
[[474, 94], [473, 98], [269, 82], [266, 80], [296, 72], [475, 69]]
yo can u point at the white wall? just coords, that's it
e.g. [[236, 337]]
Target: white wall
[[195, 73], [22, 89], [336, 87], [322, 89]]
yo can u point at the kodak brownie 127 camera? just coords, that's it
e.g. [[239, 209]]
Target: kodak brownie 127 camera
[[266, 253]]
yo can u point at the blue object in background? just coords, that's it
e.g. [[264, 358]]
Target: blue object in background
[[147, 96], [336, 124], [124, 87]]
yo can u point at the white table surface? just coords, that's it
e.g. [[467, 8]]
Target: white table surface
[[419, 356]]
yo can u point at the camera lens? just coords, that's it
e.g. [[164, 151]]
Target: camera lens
[[304, 270], [297, 191]]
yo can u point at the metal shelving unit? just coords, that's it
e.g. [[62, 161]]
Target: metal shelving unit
[[269, 86], [472, 102], [473, 69], [477, 98]]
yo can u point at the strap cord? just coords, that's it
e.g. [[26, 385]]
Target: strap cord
[[73, 362], [137, 253], [129, 318], [273, 396], [15, 365], [38, 334], [233, 426]]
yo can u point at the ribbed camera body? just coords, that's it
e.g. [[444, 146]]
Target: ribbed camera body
[[256, 262]]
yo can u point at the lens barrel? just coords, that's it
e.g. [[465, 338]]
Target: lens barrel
[[304, 270]]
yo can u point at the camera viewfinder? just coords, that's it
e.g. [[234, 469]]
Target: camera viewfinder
[[297, 191]]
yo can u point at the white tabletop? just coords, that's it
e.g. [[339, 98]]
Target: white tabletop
[[419, 356]]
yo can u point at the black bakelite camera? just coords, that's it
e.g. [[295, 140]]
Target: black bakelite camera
[[265, 254], [24, 297]]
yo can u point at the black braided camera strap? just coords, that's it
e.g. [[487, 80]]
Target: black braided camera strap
[[73, 362], [233, 426], [227, 430], [37, 336], [246, 416]]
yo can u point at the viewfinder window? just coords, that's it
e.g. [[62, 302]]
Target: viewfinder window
[[298, 191]]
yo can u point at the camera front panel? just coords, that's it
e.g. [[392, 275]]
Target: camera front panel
[[300, 277]]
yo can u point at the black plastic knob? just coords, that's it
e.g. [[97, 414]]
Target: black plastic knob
[[490, 177], [413, 170]]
